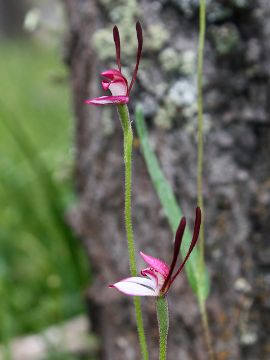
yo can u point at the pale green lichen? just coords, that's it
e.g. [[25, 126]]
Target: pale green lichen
[[219, 12], [102, 40], [192, 123], [179, 102], [188, 62], [241, 3], [108, 4], [157, 36], [160, 89], [123, 13], [183, 62], [183, 92], [225, 38], [189, 7], [170, 60], [165, 115]]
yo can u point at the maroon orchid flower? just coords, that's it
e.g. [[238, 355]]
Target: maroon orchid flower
[[114, 80], [158, 277]]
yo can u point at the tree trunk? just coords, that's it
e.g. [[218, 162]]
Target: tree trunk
[[236, 168]]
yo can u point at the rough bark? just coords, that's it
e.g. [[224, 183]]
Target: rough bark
[[236, 183]]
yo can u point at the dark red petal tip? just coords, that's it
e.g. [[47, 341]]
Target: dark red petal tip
[[194, 240], [197, 223], [116, 38], [179, 234], [177, 244], [139, 32], [139, 53]]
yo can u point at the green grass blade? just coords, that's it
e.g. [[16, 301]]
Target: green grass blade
[[198, 281], [50, 190]]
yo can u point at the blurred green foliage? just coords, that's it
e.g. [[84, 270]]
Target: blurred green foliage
[[43, 270]]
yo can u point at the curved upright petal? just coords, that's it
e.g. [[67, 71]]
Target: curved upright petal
[[159, 265], [139, 53], [116, 38], [194, 240], [177, 244]]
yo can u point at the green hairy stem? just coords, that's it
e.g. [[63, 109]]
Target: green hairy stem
[[163, 325], [200, 127], [203, 310], [128, 141]]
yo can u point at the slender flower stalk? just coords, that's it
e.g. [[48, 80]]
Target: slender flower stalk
[[202, 304], [128, 141], [163, 325], [118, 85], [200, 125]]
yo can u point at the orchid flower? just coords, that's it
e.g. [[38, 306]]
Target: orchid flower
[[158, 276], [114, 80]]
